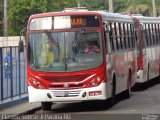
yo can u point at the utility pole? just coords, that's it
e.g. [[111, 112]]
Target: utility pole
[[5, 22], [111, 6], [78, 3], [154, 8]]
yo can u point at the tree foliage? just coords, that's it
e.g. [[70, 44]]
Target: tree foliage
[[1, 18], [20, 10]]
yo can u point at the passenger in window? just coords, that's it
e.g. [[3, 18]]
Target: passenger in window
[[91, 47], [47, 52], [47, 56]]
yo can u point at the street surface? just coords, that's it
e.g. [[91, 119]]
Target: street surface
[[143, 105], [141, 101]]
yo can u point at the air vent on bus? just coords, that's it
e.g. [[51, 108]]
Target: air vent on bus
[[66, 93]]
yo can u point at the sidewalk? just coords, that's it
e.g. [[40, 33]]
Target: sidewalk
[[19, 107]]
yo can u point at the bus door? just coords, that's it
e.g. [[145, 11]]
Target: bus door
[[144, 36], [138, 37], [138, 46]]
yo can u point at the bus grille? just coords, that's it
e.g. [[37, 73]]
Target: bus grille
[[66, 93]]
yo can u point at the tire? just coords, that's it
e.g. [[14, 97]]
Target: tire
[[46, 106], [113, 92], [146, 84], [128, 92]]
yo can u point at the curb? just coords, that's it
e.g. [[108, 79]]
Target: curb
[[31, 111], [13, 102]]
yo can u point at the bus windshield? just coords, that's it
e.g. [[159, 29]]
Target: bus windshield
[[65, 51]]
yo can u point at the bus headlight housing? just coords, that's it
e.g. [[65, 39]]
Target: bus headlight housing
[[35, 83], [95, 82]]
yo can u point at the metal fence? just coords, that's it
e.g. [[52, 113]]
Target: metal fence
[[13, 84]]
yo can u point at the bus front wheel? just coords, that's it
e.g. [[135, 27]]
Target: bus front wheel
[[46, 105], [113, 94], [128, 91]]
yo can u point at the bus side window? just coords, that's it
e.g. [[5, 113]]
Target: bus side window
[[151, 32], [157, 36], [144, 39], [111, 36], [132, 36], [107, 31], [158, 29], [159, 32], [129, 36], [124, 36], [116, 36]]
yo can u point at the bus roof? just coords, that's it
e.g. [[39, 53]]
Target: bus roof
[[115, 17], [106, 16], [144, 19]]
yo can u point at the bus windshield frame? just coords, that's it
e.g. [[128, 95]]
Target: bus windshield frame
[[64, 22], [69, 42]]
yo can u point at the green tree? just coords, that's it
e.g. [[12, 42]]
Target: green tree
[[20, 10], [1, 18], [95, 4]]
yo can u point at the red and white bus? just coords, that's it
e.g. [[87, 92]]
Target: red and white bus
[[76, 75], [147, 31]]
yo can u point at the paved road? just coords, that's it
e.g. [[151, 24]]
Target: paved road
[[143, 105]]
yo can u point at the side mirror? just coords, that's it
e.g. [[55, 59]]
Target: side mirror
[[21, 43], [21, 46], [106, 29]]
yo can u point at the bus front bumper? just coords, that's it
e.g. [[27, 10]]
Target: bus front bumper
[[71, 95]]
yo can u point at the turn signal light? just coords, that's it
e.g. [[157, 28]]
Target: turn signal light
[[95, 82], [36, 84]]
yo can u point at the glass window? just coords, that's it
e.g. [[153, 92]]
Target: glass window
[[111, 35], [144, 34], [148, 35], [122, 35], [118, 36], [64, 22], [115, 37], [153, 34], [129, 35], [157, 34], [132, 36], [65, 51], [41, 23], [125, 39], [144, 37], [136, 23]]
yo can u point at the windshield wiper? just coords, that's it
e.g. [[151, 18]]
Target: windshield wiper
[[76, 41], [52, 38]]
